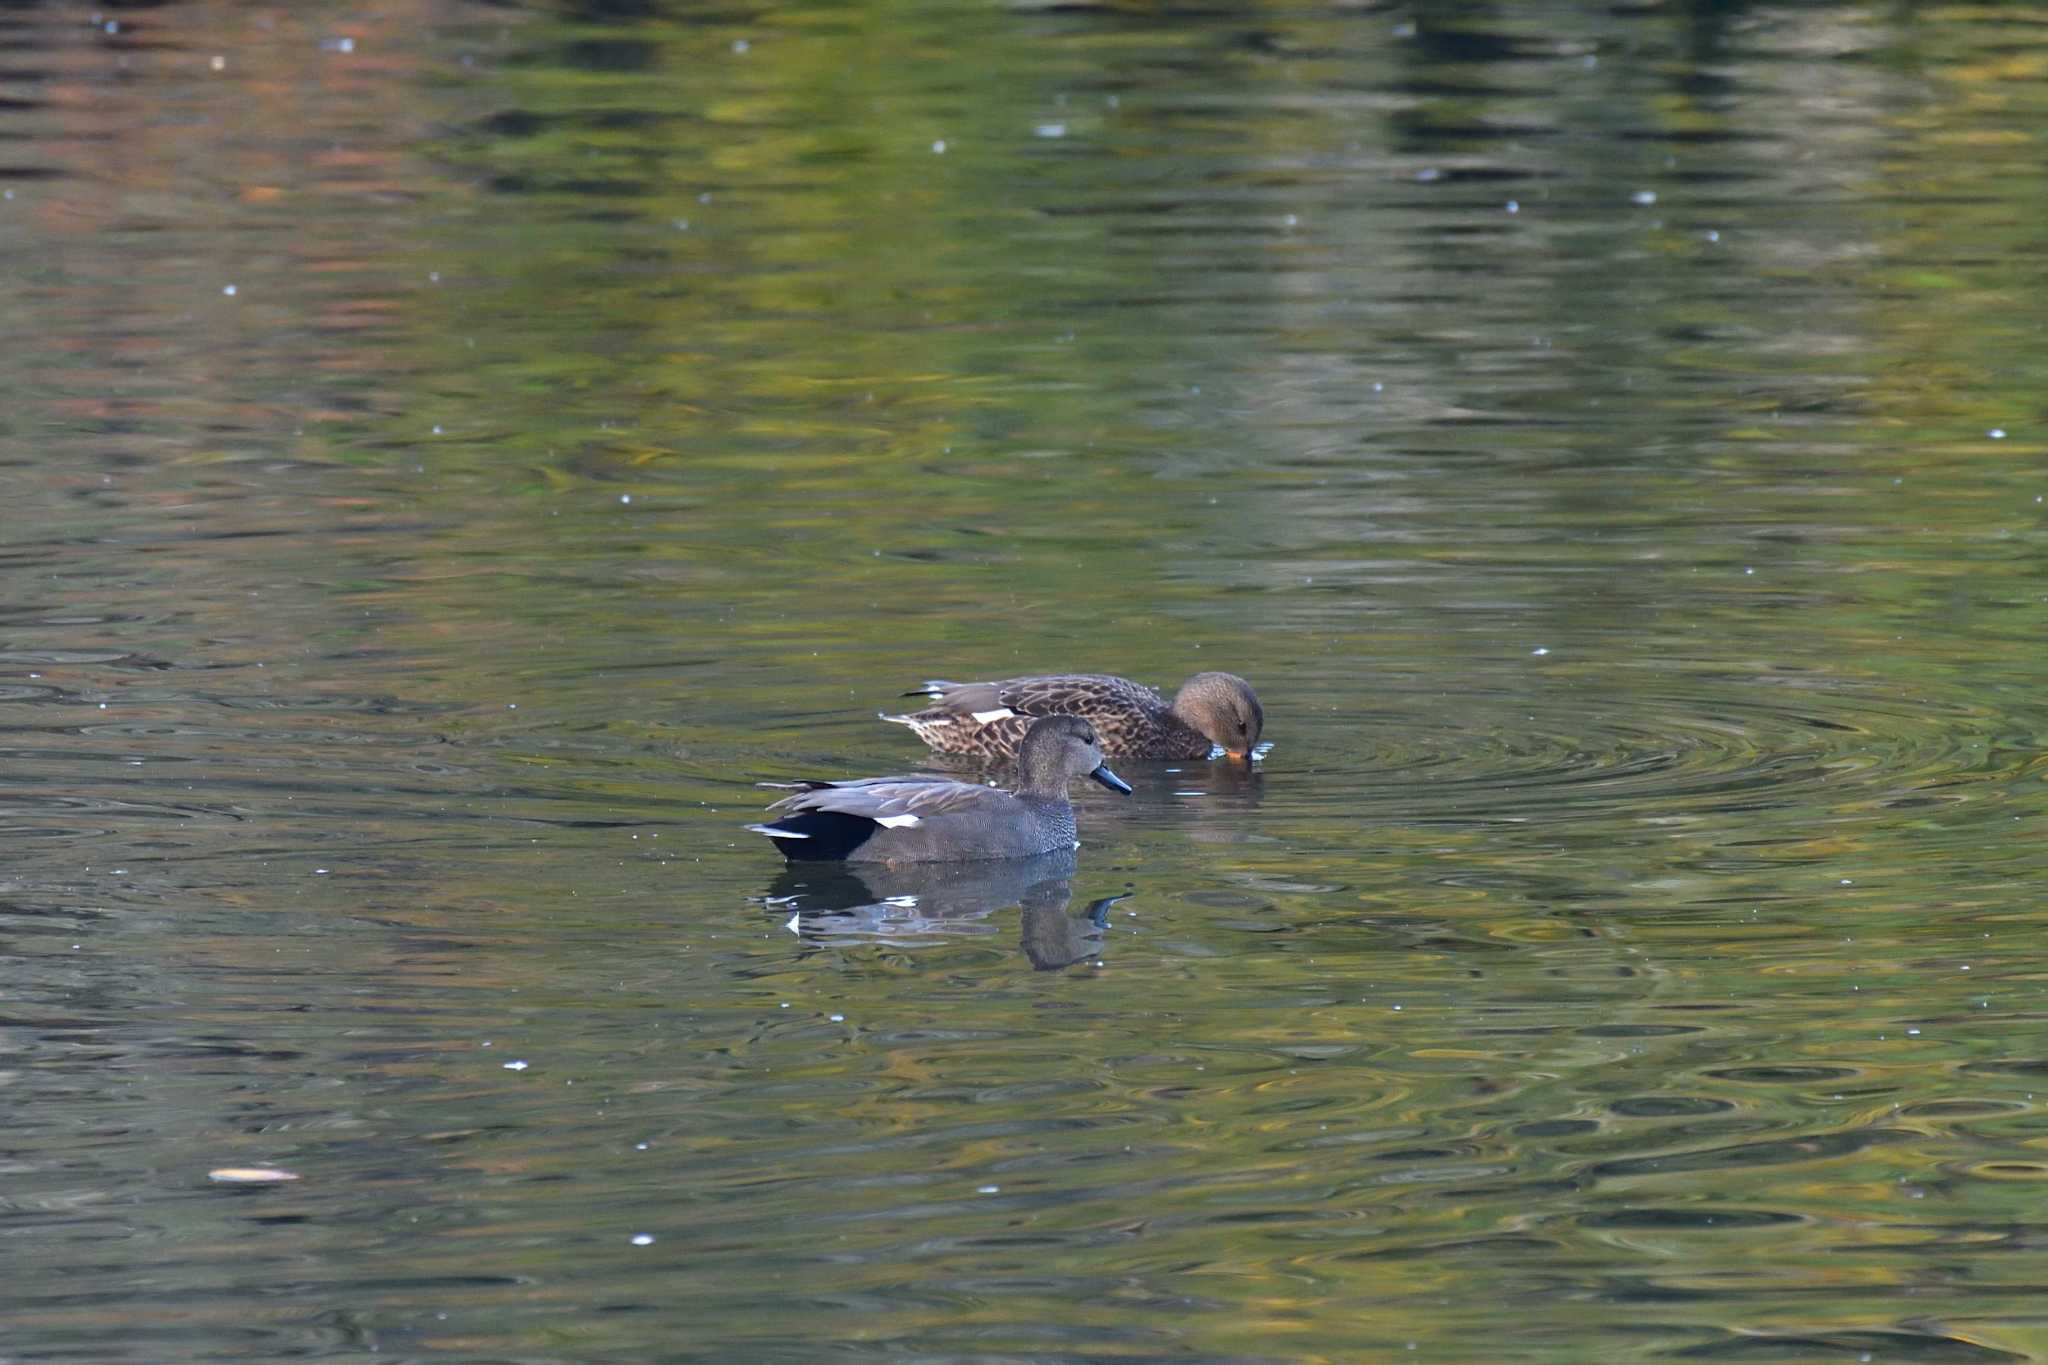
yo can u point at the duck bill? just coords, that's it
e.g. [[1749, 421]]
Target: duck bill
[[1110, 780]]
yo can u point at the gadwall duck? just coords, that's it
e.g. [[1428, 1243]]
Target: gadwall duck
[[990, 719], [937, 819]]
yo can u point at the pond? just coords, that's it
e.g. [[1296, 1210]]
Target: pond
[[452, 451]]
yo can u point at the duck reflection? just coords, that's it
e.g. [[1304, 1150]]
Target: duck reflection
[[1055, 937], [829, 902]]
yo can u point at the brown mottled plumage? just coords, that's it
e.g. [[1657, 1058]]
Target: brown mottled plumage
[[988, 719]]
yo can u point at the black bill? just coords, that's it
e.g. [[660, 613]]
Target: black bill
[[1110, 780]]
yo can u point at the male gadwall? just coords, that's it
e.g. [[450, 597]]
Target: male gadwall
[[989, 719], [936, 819]]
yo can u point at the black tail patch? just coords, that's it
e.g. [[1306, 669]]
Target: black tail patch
[[829, 835]]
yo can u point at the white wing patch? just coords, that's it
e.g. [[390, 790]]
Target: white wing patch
[[774, 833], [897, 821], [984, 717]]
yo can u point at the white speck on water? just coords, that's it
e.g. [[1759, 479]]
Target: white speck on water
[[625, 497], [1377, 386], [10, 194], [741, 45], [1290, 221], [1846, 881], [988, 1189], [229, 290], [485, 1043], [1643, 197], [643, 1239], [337, 45], [838, 1018], [1965, 967], [1747, 570], [1713, 234], [639, 1146], [1404, 30], [437, 428], [1050, 130], [433, 277], [939, 147], [1539, 651], [681, 225], [112, 26], [1514, 206], [783, 1005], [1912, 1033], [515, 1066], [1429, 174], [319, 871], [219, 63], [1996, 433]]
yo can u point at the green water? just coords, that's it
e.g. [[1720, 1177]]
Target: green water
[[450, 452]]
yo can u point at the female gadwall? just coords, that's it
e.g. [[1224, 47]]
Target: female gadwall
[[936, 819], [988, 719]]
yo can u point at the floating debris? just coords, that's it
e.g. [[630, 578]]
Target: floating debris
[[250, 1175]]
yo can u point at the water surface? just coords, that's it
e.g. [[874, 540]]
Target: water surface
[[451, 451]]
